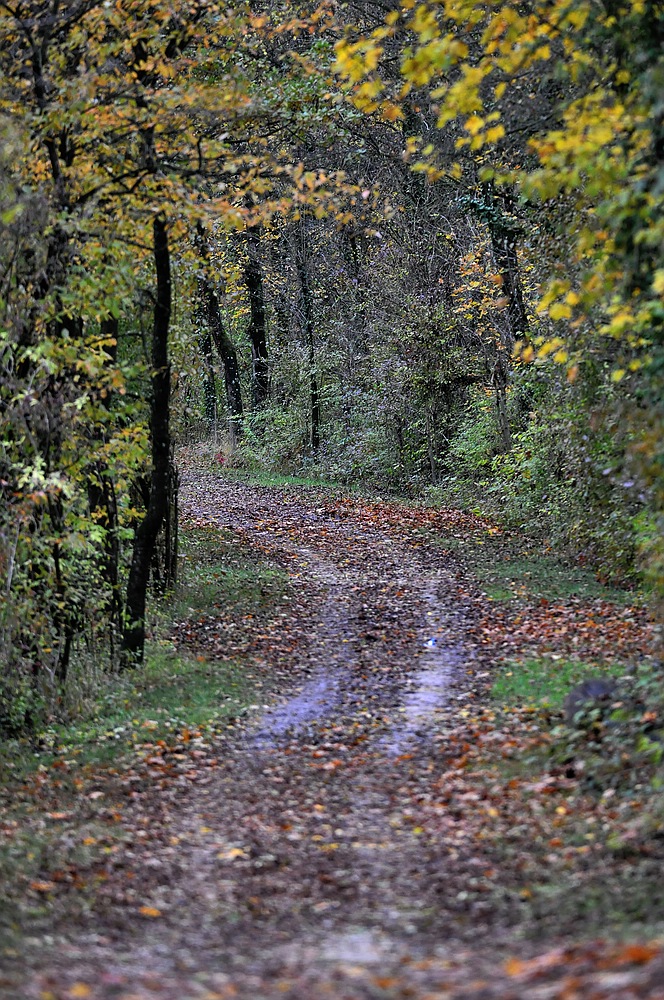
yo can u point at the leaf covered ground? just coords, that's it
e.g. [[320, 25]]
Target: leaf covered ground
[[374, 824]]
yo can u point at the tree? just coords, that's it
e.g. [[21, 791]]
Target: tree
[[584, 163], [132, 123]]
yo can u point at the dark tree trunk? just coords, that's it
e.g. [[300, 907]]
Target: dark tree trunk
[[307, 311], [209, 381], [210, 315], [110, 333], [103, 504], [165, 553], [504, 234], [253, 277], [104, 509], [65, 618], [226, 350], [133, 643]]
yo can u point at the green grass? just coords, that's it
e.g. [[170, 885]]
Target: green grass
[[510, 568], [216, 573], [544, 682], [172, 690], [541, 575], [169, 693]]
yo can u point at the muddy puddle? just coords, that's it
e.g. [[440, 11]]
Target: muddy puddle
[[427, 697], [312, 704]]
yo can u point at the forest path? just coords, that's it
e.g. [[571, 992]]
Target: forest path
[[334, 847]]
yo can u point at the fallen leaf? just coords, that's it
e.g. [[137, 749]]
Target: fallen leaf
[[80, 990], [43, 886]]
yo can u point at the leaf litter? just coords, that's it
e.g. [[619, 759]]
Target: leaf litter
[[368, 832]]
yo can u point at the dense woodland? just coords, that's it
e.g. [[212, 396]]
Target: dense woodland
[[412, 245]]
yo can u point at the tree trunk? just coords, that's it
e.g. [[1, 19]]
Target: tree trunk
[[210, 314], [307, 310], [504, 234], [209, 381], [226, 350], [253, 277], [133, 643], [103, 502]]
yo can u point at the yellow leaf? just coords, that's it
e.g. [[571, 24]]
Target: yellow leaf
[[618, 375], [495, 133], [474, 124], [559, 310], [391, 112], [232, 854], [79, 990], [149, 911]]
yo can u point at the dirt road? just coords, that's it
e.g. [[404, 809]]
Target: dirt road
[[326, 853]]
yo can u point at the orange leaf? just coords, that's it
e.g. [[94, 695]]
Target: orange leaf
[[637, 954], [43, 886], [514, 966], [149, 911]]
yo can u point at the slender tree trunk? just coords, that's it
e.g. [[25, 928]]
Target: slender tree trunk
[[133, 644], [103, 507], [307, 308], [253, 277], [431, 444], [209, 383], [210, 314], [504, 236], [226, 350], [103, 504], [307, 314], [65, 618]]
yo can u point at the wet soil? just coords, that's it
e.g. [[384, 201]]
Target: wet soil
[[297, 867]]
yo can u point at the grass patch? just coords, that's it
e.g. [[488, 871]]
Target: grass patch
[[168, 694], [510, 569], [216, 573], [544, 682], [172, 690]]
